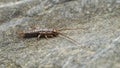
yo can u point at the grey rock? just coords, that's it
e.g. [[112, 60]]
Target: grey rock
[[97, 39]]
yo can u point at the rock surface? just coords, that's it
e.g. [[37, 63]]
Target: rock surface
[[98, 34]]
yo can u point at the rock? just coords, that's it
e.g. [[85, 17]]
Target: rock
[[96, 39]]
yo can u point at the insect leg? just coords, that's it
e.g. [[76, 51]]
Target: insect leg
[[51, 36], [46, 37], [38, 36]]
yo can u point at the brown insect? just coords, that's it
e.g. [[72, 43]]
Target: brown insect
[[41, 33], [45, 33]]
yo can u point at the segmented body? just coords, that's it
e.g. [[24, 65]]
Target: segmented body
[[41, 33], [46, 33]]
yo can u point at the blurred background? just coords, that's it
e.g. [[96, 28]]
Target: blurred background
[[98, 36]]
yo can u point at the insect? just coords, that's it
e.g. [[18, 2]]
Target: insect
[[41, 33], [45, 33]]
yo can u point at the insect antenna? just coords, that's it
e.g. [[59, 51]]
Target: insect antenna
[[71, 29], [70, 39]]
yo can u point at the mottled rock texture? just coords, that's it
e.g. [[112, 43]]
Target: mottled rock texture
[[98, 34]]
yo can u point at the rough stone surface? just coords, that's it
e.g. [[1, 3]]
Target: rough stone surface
[[98, 34]]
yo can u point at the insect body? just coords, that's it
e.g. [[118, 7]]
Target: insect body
[[46, 33], [41, 33]]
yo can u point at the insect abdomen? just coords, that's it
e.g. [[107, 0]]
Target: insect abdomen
[[30, 35]]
